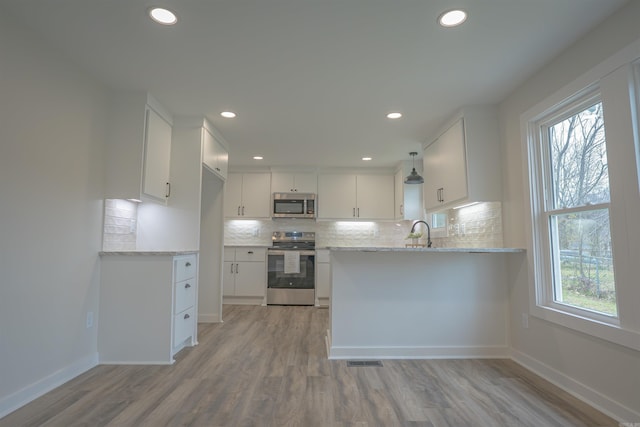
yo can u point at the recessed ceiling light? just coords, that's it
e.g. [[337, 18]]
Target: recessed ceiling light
[[163, 16], [452, 18], [366, 159], [394, 115], [258, 157], [228, 114]]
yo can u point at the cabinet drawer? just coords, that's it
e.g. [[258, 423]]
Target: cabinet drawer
[[251, 254], [184, 267], [183, 324], [185, 295]]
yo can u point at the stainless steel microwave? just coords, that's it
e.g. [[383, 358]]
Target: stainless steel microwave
[[294, 205]]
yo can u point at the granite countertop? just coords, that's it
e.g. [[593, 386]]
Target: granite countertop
[[431, 250], [147, 253]]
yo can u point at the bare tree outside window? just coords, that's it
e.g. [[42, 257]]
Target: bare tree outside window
[[579, 212]]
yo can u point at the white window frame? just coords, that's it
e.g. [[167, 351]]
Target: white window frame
[[544, 241], [625, 328]]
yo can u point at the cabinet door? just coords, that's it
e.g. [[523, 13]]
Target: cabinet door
[[233, 196], [221, 156], [228, 279], [375, 197], [454, 164], [337, 196], [256, 195], [305, 182], [282, 182], [250, 279], [323, 280], [157, 155], [432, 162]]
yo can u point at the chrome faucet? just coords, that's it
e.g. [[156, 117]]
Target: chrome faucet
[[428, 231]]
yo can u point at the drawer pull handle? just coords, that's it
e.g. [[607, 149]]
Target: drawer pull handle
[[187, 286], [186, 316], [188, 264], [250, 252]]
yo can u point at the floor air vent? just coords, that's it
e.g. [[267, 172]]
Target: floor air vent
[[364, 363]]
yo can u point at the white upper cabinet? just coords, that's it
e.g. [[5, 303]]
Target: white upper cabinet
[[214, 155], [138, 151], [408, 197], [157, 156], [462, 165], [346, 196], [247, 195], [299, 182]]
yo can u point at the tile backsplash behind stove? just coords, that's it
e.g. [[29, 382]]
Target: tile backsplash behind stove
[[476, 226]]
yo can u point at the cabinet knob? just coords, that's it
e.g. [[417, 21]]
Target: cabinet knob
[[186, 316], [218, 169], [187, 286], [187, 264]]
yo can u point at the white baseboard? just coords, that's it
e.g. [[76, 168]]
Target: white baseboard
[[209, 318], [488, 352], [31, 392], [588, 395]]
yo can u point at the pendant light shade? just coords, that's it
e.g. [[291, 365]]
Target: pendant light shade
[[414, 177]]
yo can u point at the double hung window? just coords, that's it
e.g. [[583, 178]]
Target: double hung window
[[575, 210]]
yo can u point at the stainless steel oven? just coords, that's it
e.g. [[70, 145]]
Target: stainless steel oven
[[291, 268]]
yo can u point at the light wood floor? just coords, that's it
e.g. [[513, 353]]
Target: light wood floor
[[267, 366]]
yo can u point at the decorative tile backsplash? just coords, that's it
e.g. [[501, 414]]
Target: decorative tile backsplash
[[472, 227], [477, 226], [120, 223]]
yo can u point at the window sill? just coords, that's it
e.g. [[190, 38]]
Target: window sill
[[605, 331]]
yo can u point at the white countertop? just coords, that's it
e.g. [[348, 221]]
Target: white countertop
[[148, 253], [431, 250]]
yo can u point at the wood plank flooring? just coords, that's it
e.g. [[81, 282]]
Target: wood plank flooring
[[267, 366]]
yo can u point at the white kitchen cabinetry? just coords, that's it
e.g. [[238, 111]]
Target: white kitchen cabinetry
[[139, 149], [462, 165], [247, 195], [285, 182], [408, 197], [364, 197], [323, 277], [214, 155], [148, 307], [244, 277]]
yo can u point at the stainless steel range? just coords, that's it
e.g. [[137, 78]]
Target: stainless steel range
[[291, 268]]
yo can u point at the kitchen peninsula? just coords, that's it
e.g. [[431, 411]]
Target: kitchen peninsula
[[419, 302]]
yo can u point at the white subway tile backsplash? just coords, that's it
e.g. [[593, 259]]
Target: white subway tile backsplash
[[120, 223], [475, 226]]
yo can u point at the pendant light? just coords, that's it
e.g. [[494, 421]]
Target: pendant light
[[413, 177]]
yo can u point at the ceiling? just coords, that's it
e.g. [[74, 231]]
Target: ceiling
[[312, 80]]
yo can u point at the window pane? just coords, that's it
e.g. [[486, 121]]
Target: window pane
[[582, 259], [579, 173]]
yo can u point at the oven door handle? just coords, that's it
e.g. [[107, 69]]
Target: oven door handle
[[302, 252]]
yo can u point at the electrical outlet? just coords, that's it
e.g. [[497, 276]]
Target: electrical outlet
[[89, 319], [525, 320]]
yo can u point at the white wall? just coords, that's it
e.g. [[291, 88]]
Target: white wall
[[606, 374], [52, 127]]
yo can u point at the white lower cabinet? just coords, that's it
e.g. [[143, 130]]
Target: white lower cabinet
[[148, 307], [244, 279], [323, 277]]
